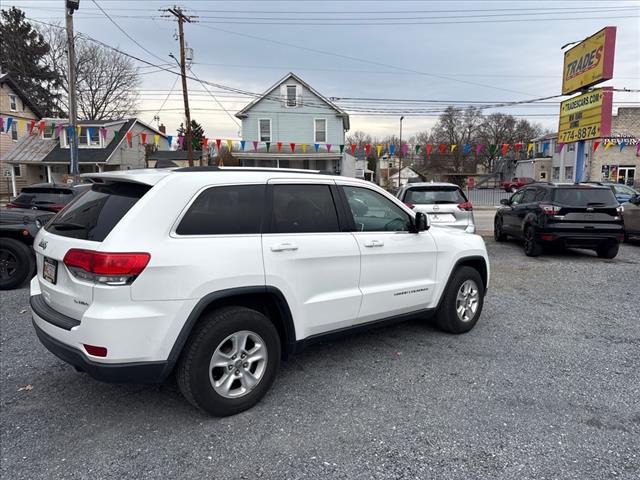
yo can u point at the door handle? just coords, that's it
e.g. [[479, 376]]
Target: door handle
[[281, 247], [374, 243]]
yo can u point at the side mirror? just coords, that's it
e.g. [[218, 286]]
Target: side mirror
[[421, 222], [504, 201], [635, 199]]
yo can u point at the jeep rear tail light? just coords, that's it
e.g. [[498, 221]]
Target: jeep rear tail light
[[106, 268], [466, 206], [620, 210], [550, 209]]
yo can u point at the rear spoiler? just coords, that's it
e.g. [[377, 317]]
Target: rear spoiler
[[144, 176]]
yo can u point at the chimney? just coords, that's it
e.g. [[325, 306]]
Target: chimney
[[162, 128]]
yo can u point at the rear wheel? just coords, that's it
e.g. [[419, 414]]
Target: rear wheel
[[498, 233], [230, 361], [532, 247], [16, 263], [609, 250], [462, 302]]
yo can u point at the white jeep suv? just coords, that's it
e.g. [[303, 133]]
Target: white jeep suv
[[218, 273]]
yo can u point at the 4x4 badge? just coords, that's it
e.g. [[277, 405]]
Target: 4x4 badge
[[42, 244]]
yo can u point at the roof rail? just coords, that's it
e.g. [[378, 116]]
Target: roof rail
[[213, 168]]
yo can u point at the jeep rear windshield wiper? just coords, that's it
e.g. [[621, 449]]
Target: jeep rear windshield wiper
[[596, 204], [68, 226]]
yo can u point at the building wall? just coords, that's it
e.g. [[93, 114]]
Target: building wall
[[293, 124], [24, 113]]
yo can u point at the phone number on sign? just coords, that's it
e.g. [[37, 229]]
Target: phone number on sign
[[584, 133]]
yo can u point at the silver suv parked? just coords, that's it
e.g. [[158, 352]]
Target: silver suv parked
[[444, 203]]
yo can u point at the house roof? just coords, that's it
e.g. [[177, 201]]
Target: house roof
[[5, 78], [172, 155], [341, 113]]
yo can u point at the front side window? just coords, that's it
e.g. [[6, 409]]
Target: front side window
[[265, 129], [291, 95], [320, 129], [516, 198], [372, 212], [13, 103], [228, 210], [303, 209]]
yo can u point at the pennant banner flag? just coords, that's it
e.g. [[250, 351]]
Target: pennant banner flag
[[41, 127], [518, 147], [367, 148], [404, 149], [417, 149], [1, 124], [255, 146], [560, 147], [478, 148], [442, 148], [492, 148], [130, 138], [596, 144], [116, 135], [453, 147], [103, 134], [428, 148], [58, 129], [32, 125], [293, 147], [279, 144], [353, 148], [622, 145], [316, 146], [529, 148], [169, 140], [156, 139], [218, 143], [268, 144], [20, 125], [505, 148], [328, 147], [9, 122], [230, 145], [341, 148], [143, 138], [205, 143], [70, 132], [392, 149], [378, 150], [466, 149], [181, 141], [89, 134], [304, 148], [242, 142], [78, 130], [638, 148], [608, 145]]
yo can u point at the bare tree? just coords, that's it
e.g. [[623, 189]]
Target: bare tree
[[358, 138], [457, 127], [107, 81]]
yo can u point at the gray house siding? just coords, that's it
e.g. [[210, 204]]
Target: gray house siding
[[293, 124]]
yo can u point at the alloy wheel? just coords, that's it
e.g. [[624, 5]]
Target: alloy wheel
[[8, 264], [238, 364], [467, 300]]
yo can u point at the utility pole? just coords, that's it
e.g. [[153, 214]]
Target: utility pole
[[400, 156], [72, 133], [177, 12]]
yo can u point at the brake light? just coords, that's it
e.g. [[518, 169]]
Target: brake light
[[620, 210], [410, 205], [466, 206], [550, 209], [107, 268], [56, 207]]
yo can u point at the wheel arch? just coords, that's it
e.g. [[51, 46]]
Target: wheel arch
[[265, 299], [477, 262]]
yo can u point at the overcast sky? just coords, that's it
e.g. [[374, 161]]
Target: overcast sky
[[480, 51]]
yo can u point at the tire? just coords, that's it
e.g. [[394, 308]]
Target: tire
[[609, 250], [196, 378], [447, 317], [16, 263], [513, 189], [498, 233], [532, 247]]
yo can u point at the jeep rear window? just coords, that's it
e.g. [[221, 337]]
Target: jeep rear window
[[43, 196], [434, 195], [93, 215], [583, 197], [228, 210]]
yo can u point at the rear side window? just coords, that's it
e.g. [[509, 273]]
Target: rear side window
[[431, 195], [93, 215], [303, 209], [44, 196], [228, 210], [583, 197]]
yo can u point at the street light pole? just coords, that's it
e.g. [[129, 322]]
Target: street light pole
[[400, 157], [71, 6]]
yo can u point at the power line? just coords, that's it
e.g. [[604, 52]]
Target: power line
[[214, 97], [175, 81]]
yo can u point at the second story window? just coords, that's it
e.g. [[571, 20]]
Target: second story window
[[89, 141], [320, 130], [292, 100], [265, 129], [13, 103]]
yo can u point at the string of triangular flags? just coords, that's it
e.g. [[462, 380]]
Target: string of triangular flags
[[29, 127]]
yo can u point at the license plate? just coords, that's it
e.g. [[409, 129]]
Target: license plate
[[50, 270], [442, 217]]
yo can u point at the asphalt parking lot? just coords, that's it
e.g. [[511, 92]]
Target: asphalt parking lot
[[547, 386]]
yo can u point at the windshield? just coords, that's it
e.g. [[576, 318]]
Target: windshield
[[93, 215], [432, 195], [584, 197]]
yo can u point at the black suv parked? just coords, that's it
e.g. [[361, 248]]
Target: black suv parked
[[18, 228], [546, 214], [47, 196]]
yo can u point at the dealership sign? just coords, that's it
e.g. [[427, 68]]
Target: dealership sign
[[590, 62], [586, 116]]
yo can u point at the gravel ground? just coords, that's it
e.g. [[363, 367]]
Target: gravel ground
[[547, 386]]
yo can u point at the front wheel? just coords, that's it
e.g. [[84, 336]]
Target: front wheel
[[608, 251], [230, 361], [498, 233], [462, 302]]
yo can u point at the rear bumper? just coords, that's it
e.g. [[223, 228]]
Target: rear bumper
[[143, 372], [581, 237]]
